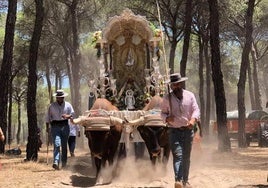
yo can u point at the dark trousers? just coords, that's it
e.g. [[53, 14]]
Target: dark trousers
[[181, 146], [60, 134], [72, 143]]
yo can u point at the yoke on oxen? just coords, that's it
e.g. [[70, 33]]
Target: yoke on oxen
[[104, 125], [147, 118], [148, 123], [99, 120]]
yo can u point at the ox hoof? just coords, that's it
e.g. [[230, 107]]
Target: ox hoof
[[99, 181], [103, 181]]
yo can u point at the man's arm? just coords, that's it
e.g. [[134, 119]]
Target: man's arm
[[195, 111], [67, 116], [69, 113], [2, 136]]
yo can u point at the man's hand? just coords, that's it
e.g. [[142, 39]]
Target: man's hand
[[170, 119], [78, 134], [191, 123], [66, 116]]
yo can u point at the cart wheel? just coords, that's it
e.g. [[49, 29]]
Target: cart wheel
[[265, 117], [263, 135]]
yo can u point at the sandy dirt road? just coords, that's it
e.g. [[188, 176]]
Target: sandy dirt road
[[209, 169]]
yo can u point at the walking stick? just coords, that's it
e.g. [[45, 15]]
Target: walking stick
[[47, 143], [47, 124]]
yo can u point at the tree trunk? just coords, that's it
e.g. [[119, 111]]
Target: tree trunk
[[250, 88], [57, 76], [49, 85], [67, 55], [217, 77], [201, 78], [172, 55], [242, 76], [187, 34], [75, 68], [32, 145], [6, 66], [10, 91], [265, 83], [19, 121], [256, 89], [206, 123]]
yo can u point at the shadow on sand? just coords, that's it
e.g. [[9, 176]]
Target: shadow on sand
[[250, 186], [85, 172], [83, 181]]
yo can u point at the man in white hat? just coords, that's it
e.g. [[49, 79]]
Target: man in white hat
[[180, 111], [58, 114]]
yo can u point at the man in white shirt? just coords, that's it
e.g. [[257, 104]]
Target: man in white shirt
[[58, 115]]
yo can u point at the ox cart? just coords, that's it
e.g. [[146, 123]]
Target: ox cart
[[129, 75]]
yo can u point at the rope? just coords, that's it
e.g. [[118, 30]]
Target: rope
[[162, 38], [165, 58]]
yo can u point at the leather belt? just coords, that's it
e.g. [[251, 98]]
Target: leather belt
[[184, 128], [59, 122]]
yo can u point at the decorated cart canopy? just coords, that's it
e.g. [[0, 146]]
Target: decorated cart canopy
[[129, 62]]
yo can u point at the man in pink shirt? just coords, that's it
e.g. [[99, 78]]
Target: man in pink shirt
[[180, 111]]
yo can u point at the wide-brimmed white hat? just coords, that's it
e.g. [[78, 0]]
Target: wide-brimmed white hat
[[176, 77], [60, 93]]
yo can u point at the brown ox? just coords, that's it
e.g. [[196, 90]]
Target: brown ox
[[153, 131], [103, 132]]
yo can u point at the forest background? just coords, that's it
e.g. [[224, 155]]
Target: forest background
[[47, 44]]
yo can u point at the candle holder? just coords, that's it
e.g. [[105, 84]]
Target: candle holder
[[101, 84], [154, 81]]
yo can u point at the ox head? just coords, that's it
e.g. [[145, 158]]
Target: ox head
[[154, 103], [102, 103]]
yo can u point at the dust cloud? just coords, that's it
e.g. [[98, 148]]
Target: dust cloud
[[240, 168]]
